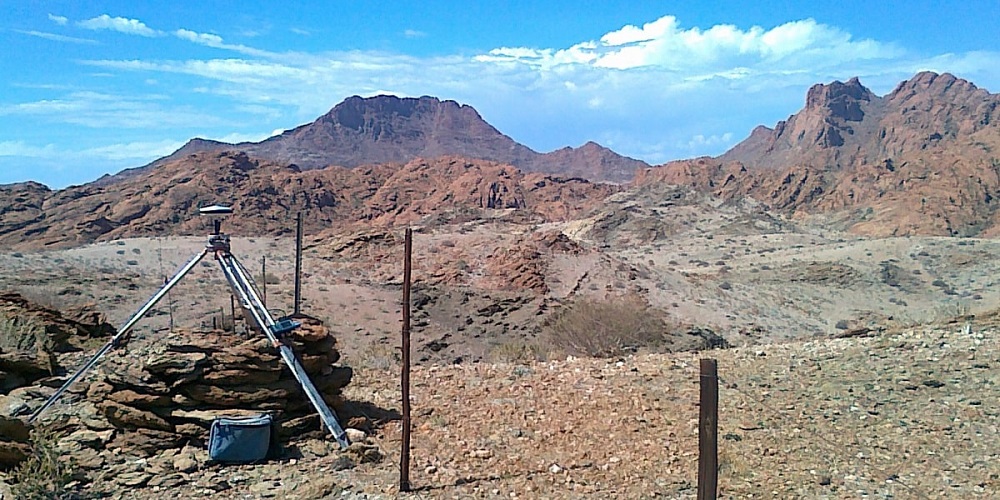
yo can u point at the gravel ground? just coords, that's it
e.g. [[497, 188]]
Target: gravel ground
[[907, 414]]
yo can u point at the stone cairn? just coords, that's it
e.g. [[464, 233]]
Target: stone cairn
[[35, 360], [166, 394]]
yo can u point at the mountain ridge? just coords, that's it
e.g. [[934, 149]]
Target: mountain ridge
[[386, 129], [923, 159]]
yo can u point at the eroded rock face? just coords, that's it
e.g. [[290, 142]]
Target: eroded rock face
[[266, 195], [921, 160]]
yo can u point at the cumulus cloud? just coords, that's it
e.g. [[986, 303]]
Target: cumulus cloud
[[664, 44], [60, 20], [58, 38], [119, 24]]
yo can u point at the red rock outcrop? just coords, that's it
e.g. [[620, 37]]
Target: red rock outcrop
[[266, 197], [924, 159]]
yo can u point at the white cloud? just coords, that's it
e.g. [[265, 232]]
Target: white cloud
[[201, 38], [58, 38], [216, 41], [236, 138], [300, 31], [120, 24], [137, 150], [100, 110], [60, 20], [664, 44], [701, 141], [19, 148], [410, 33]]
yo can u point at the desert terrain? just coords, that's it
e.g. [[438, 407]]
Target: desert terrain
[[840, 266]]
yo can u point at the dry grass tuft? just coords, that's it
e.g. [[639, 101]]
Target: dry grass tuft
[[517, 352], [45, 474]]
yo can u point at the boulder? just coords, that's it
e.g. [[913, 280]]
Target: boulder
[[128, 417]]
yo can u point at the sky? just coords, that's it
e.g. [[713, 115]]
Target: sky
[[88, 88]]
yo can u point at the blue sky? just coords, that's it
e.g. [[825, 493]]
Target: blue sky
[[88, 88]]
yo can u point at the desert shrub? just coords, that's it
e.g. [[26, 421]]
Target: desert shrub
[[517, 352], [950, 311], [20, 333], [271, 279], [379, 356], [605, 328], [44, 475]]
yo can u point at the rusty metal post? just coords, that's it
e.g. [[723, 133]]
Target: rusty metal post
[[404, 457], [708, 432], [298, 263]]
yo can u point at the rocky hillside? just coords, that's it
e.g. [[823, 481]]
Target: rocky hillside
[[384, 129], [267, 195], [924, 159]]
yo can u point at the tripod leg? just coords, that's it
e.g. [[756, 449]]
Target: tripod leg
[[248, 294], [122, 332]]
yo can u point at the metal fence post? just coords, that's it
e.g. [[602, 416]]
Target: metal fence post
[[404, 460], [708, 432]]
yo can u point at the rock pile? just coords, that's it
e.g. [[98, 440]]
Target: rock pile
[[14, 445], [67, 330], [167, 395]]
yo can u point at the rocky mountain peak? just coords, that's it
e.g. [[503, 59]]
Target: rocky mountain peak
[[839, 99], [927, 86], [921, 160], [357, 112], [836, 94], [391, 129]]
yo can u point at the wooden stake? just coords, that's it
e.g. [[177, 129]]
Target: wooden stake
[[404, 457], [708, 432]]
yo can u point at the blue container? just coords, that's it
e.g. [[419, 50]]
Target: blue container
[[240, 440]]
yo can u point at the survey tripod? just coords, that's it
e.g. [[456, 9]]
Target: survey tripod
[[246, 291]]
